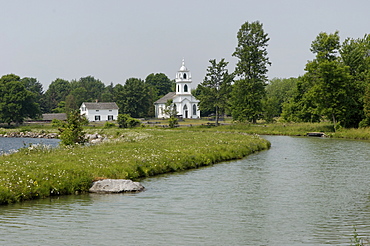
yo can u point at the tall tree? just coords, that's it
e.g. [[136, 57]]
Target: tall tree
[[108, 93], [35, 87], [57, 92], [214, 91], [249, 90], [16, 102], [355, 53], [94, 88], [161, 83], [278, 91], [133, 98]]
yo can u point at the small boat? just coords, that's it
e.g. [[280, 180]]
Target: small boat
[[315, 134]]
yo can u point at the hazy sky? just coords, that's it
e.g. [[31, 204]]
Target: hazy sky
[[114, 40]]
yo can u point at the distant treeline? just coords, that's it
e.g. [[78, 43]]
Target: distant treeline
[[24, 97], [335, 87]]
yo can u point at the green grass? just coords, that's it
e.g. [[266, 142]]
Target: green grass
[[133, 154]]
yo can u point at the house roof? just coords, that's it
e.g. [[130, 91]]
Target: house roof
[[50, 117], [164, 99], [101, 105]]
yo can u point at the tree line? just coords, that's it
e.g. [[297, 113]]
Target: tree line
[[22, 98], [335, 87]]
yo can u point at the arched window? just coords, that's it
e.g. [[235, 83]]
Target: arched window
[[194, 109], [184, 75], [185, 88], [178, 88]]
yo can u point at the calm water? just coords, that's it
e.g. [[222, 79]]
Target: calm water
[[11, 144], [303, 191]]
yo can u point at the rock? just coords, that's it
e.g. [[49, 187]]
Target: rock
[[115, 186]]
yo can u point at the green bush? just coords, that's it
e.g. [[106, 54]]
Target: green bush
[[71, 132], [126, 121], [172, 122], [109, 125]]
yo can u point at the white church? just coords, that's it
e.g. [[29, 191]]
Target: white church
[[185, 103]]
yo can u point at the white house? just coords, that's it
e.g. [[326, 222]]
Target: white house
[[185, 102], [99, 111]]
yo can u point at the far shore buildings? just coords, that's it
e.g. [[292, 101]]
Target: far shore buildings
[[99, 111], [185, 103]]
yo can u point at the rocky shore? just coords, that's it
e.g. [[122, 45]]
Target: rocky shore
[[92, 138], [29, 135]]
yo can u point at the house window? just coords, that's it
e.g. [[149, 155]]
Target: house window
[[97, 117], [185, 88], [110, 110], [110, 117], [83, 108], [97, 110], [194, 109]]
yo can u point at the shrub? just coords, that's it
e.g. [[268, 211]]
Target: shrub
[[109, 124], [71, 132], [125, 121], [172, 122]]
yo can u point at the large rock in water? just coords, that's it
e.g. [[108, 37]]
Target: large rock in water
[[115, 186]]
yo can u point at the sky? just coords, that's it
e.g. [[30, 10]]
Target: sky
[[114, 40]]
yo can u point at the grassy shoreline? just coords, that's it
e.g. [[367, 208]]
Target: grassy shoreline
[[133, 154], [301, 129]]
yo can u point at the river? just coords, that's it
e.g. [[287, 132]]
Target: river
[[9, 145], [303, 191]]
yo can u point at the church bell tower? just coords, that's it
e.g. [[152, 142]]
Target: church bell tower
[[183, 80]]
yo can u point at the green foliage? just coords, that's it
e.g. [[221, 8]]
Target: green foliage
[[161, 83], [108, 124], [56, 123], [86, 89], [133, 97], [214, 91], [171, 112], [126, 121], [331, 88], [278, 92], [71, 132], [326, 46], [172, 122], [16, 102], [248, 91], [57, 92]]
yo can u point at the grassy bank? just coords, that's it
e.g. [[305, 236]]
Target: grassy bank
[[134, 154], [300, 129]]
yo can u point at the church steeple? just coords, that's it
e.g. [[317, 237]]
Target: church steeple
[[183, 80]]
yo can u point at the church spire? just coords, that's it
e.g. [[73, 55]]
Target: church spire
[[183, 80]]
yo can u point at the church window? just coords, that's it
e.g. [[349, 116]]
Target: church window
[[184, 75], [185, 88], [194, 109], [178, 88]]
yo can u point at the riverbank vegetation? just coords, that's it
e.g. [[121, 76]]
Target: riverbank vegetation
[[133, 154]]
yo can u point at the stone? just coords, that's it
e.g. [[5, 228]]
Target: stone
[[115, 186]]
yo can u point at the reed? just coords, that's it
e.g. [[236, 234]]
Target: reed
[[133, 154]]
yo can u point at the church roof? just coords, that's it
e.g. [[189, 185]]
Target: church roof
[[101, 105], [164, 99]]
